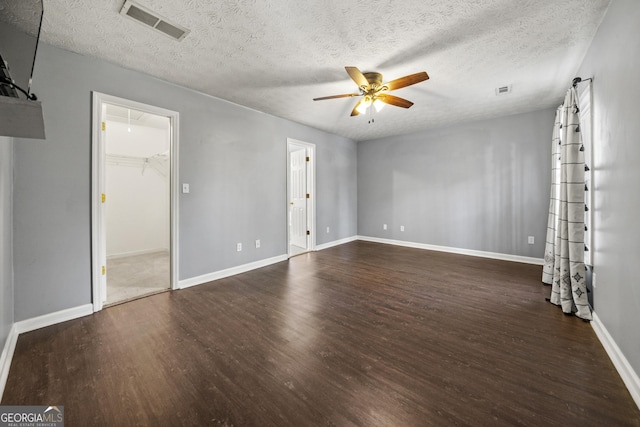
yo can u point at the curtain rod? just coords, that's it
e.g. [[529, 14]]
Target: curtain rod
[[580, 80]]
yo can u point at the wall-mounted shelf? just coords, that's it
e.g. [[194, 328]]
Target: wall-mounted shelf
[[21, 118]]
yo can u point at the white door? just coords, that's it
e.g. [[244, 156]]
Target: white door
[[301, 218], [298, 201]]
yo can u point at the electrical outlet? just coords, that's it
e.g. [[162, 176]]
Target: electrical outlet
[[257, 243], [402, 228], [327, 229], [384, 226], [239, 247], [531, 240], [185, 188]]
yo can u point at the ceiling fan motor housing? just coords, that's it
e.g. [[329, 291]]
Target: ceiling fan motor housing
[[374, 79]]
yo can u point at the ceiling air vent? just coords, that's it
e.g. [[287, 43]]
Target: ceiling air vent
[[503, 90], [151, 19]]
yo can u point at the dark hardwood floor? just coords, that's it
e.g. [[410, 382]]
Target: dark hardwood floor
[[362, 334]]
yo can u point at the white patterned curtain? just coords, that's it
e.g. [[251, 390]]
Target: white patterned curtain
[[564, 267]]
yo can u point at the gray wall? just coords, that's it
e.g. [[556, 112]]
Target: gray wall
[[233, 158], [339, 183], [6, 262], [613, 62], [482, 185]]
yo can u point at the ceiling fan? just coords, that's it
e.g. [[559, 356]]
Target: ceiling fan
[[374, 92]]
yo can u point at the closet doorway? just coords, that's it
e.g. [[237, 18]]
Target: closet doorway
[[134, 209]]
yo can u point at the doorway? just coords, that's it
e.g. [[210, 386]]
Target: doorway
[[300, 197], [134, 200]]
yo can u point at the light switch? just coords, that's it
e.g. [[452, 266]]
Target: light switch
[[185, 188]]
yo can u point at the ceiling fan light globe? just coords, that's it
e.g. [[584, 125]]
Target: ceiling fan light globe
[[364, 104], [378, 105]]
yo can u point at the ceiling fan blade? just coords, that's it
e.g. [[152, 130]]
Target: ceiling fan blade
[[357, 76], [345, 95], [394, 100], [355, 111], [407, 81]]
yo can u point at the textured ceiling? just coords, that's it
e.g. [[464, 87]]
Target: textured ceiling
[[276, 55]]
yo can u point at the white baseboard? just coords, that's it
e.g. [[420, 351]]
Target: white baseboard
[[31, 325], [209, 277], [336, 243], [627, 373], [471, 252], [7, 357], [140, 252], [53, 318]]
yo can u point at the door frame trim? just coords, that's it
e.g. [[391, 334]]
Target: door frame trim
[[97, 165], [311, 185]]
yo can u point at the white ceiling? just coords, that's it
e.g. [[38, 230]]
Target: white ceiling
[[276, 55]]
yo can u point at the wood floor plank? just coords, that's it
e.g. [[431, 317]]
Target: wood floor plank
[[362, 334]]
